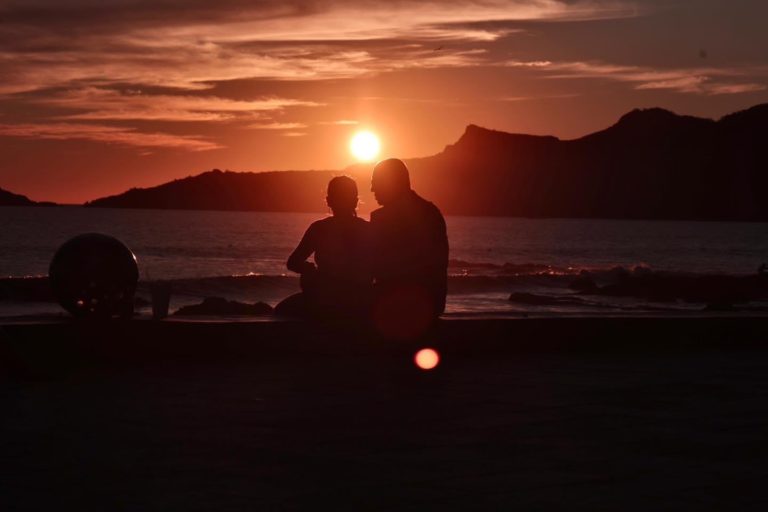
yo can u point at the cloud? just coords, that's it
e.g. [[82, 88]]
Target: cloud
[[192, 44], [341, 122], [706, 81], [109, 104], [108, 134], [513, 99], [277, 126], [736, 88]]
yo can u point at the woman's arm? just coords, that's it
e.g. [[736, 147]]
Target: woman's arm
[[297, 261]]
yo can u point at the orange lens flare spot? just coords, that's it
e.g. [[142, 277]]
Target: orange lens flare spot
[[427, 358]]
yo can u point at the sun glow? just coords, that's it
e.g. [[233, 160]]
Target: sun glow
[[365, 146]]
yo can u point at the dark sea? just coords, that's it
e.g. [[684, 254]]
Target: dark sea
[[241, 256]]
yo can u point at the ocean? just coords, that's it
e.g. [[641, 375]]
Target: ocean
[[537, 262]]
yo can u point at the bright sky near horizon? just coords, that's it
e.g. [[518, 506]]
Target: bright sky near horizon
[[98, 96]]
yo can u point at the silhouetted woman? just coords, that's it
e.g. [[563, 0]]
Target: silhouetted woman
[[337, 285]]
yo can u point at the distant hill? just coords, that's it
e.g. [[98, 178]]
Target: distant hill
[[652, 164], [11, 199], [278, 191]]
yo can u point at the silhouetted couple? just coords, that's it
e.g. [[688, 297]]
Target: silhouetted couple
[[391, 272]]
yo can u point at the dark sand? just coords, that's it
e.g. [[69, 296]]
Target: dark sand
[[569, 414]]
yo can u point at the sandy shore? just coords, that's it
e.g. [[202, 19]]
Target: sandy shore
[[585, 414]]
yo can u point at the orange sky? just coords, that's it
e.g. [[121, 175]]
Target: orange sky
[[100, 96]]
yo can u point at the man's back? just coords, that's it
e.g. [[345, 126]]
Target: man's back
[[342, 249], [411, 246]]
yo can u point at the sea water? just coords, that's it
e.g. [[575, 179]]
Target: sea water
[[241, 255]]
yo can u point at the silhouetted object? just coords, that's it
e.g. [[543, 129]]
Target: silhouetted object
[[224, 307], [337, 286], [762, 269], [410, 255], [94, 275], [160, 291]]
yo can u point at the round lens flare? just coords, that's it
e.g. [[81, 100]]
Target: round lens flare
[[426, 358], [365, 146]]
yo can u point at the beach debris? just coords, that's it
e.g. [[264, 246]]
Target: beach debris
[[160, 293], [219, 306]]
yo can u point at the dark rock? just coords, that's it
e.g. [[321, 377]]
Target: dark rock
[[221, 306], [584, 283], [716, 290]]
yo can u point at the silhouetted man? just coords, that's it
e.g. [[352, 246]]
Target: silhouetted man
[[410, 257]]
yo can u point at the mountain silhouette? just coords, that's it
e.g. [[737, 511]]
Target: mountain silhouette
[[278, 191], [10, 199], [651, 164]]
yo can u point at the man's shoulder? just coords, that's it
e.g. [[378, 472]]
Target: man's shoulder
[[320, 225], [321, 222], [428, 206], [377, 213]]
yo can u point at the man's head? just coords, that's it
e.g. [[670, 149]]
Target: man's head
[[390, 180]]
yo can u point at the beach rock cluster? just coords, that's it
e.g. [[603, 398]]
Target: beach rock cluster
[[717, 291], [220, 306]]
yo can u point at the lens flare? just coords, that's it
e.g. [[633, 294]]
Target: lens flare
[[427, 358], [365, 146]]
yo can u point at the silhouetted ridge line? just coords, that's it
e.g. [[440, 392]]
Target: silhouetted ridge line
[[225, 190], [10, 199], [651, 164]]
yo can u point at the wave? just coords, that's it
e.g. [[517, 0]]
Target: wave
[[463, 267], [639, 282]]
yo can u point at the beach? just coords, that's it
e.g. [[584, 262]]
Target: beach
[[548, 413]]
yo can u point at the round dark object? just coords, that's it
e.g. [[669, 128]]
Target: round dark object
[[94, 275]]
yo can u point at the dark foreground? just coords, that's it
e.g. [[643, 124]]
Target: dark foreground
[[571, 414]]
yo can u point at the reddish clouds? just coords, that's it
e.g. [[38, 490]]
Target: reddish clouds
[[97, 97]]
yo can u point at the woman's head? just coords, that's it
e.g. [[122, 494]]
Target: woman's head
[[342, 195]]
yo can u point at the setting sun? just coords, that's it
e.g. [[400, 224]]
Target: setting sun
[[365, 146]]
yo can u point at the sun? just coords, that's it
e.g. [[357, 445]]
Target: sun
[[365, 146]]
